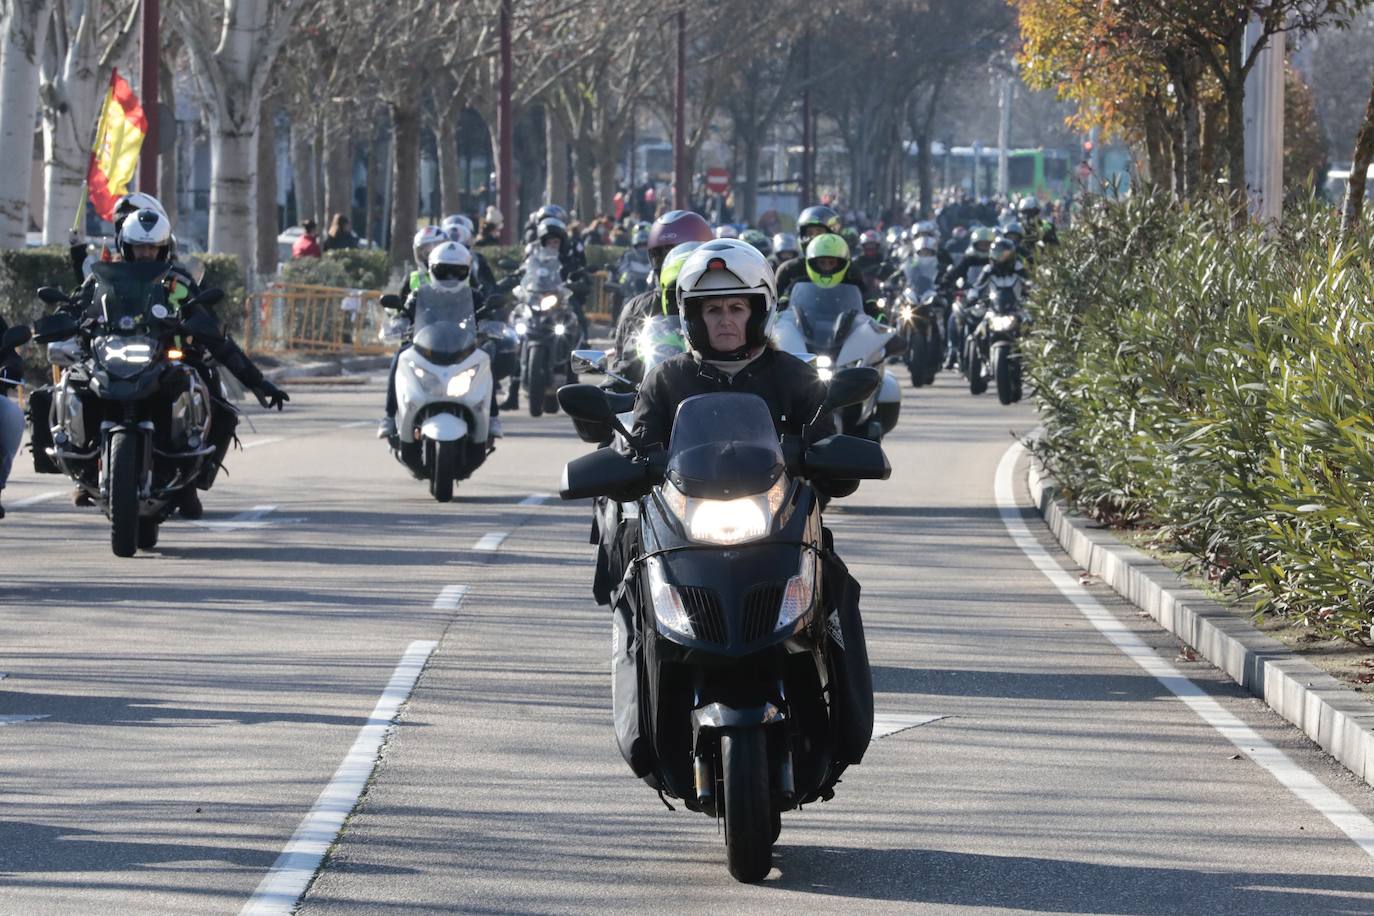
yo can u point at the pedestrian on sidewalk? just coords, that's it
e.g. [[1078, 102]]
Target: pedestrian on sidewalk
[[308, 245], [339, 235]]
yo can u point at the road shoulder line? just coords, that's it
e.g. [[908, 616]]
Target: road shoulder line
[[290, 876], [1335, 717]]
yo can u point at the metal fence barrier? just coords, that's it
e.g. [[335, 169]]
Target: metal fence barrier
[[299, 316]]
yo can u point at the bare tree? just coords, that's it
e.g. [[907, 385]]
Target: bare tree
[[23, 29]]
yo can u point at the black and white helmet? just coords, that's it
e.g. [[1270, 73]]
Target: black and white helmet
[[146, 227], [727, 267], [449, 266]]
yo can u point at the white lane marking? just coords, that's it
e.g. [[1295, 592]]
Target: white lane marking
[[450, 597], [537, 499], [14, 720], [268, 441], [885, 724], [35, 500], [490, 541], [357, 423], [253, 518], [290, 875], [1293, 777]]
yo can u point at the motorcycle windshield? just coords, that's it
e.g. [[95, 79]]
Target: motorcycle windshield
[[659, 339], [443, 306], [917, 279], [821, 310], [543, 273], [724, 446], [126, 292]]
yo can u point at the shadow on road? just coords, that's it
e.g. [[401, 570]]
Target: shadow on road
[[1055, 886], [1017, 685]]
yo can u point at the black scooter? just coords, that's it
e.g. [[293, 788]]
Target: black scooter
[[740, 675]]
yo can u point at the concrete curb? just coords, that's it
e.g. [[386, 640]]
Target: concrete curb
[[327, 367], [1335, 717]]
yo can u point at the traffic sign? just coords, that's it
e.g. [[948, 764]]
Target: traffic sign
[[717, 180]]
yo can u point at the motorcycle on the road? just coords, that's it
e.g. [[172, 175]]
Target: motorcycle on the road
[[919, 313], [548, 328], [993, 348], [130, 419], [830, 324], [740, 676], [443, 392]]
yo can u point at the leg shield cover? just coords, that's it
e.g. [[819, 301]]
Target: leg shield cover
[[852, 709], [627, 699]]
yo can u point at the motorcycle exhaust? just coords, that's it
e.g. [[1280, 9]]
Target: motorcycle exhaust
[[704, 776]]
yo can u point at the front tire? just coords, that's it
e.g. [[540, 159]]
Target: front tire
[[748, 807], [977, 382], [537, 389], [443, 470], [147, 533], [1003, 371], [916, 358], [124, 526]]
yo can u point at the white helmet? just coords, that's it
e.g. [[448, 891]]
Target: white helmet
[[727, 231], [786, 241], [146, 227], [449, 266], [424, 242], [460, 234], [727, 267], [132, 203], [457, 219]]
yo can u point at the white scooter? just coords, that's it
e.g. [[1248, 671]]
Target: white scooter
[[829, 324], [443, 391]]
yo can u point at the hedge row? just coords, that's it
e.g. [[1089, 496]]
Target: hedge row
[[1216, 382]]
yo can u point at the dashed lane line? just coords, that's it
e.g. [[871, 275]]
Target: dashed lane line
[[490, 541], [450, 597]]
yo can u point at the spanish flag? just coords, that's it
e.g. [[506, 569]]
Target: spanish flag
[[114, 157]]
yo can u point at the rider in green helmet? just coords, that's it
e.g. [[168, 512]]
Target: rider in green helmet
[[627, 363], [827, 260]]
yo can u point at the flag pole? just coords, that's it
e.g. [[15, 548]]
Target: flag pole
[[97, 139]]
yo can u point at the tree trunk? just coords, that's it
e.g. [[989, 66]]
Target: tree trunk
[[338, 168], [65, 156], [69, 96], [450, 172], [25, 26], [748, 195], [606, 163], [303, 174], [556, 157], [372, 218], [405, 201], [233, 190], [925, 175], [268, 224], [1235, 126], [584, 166], [1359, 171]]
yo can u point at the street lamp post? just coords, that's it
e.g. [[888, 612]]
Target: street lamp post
[[150, 72], [505, 171], [680, 178]]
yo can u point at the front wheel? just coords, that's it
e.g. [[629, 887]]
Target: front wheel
[[916, 357], [1004, 372], [537, 390], [443, 470], [748, 807], [977, 381], [147, 533], [124, 493]]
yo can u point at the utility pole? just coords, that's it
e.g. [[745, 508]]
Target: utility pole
[[151, 68], [806, 169], [1003, 132], [505, 171], [680, 177]]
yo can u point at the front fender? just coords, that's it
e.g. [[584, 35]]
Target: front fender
[[444, 427]]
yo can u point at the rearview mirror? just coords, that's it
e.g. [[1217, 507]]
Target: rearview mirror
[[53, 296], [846, 458], [208, 297], [391, 302], [589, 361], [16, 336], [586, 402], [851, 386]]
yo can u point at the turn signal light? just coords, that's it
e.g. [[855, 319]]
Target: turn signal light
[[174, 354]]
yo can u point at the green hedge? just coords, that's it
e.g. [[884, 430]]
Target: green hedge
[[1216, 382], [349, 268]]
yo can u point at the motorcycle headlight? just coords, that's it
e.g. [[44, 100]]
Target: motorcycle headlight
[[800, 593], [521, 328], [1002, 322], [668, 606], [122, 355], [726, 521], [559, 328], [906, 313], [427, 379], [461, 383], [548, 302], [824, 362]]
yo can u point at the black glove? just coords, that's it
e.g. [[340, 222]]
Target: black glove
[[270, 395]]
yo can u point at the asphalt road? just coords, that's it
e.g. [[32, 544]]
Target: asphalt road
[[171, 719]]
